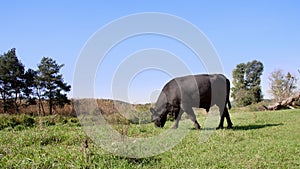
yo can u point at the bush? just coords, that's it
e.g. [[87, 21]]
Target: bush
[[74, 120], [116, 118], [251, 108], [54, 119], [139, 118], [19, 127], [27, 121], [13, 121]]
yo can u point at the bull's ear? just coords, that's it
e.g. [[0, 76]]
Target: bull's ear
[[152, 110]]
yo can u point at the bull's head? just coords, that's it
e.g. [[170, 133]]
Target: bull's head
[[158, 117]]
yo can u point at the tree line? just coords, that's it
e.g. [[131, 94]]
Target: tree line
[[20, 87], [45, 85]]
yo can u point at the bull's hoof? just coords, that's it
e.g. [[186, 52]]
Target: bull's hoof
[[229, 127], [219, 127], [174, 127], [197, 127]]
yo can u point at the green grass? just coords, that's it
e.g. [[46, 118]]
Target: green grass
[[258, 140]]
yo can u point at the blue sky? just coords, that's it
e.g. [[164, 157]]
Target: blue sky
[[241, 31]]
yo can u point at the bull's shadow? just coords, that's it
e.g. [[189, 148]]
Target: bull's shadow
[[142, 161], [255, 126], [245, 127]]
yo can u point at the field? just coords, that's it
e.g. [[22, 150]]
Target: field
[[258, 140]]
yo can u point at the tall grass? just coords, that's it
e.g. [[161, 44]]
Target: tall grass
[[106, 106]]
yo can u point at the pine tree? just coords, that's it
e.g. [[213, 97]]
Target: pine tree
[[50, 84], [11, 79], [29, 86]]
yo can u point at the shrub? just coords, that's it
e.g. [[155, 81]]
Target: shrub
[[12, 121], [27, 121]]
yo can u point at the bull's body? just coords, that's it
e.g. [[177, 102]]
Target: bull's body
[[181, 94]]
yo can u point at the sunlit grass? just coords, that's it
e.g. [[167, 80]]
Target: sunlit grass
[[258, 140]]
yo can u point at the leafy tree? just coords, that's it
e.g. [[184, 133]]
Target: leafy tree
[[11, 79], [246, 83], [50, 85], [282, 86]]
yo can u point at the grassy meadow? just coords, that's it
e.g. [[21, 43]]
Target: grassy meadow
[[258, 140]]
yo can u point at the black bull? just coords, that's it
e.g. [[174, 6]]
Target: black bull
[[181, 94]]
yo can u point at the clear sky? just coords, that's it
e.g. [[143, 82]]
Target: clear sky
[[241, 31]]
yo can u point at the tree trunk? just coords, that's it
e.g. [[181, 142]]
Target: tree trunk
[[16, 103], [40, 103], [284, 104], [50, 101], [50, 106], [41, 106], [4, 102]]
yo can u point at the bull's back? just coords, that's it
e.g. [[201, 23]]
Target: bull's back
[[188, 89], [207, 89], [196, 89]]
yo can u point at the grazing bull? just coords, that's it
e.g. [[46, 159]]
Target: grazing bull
[[181, 94]]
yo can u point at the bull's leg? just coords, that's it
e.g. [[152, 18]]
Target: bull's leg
[[207, 109], [178, 115], [222, 115], [221, 121], [192, 116], [227, 116]]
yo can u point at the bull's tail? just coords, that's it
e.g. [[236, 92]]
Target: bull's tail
[[228, 93]]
